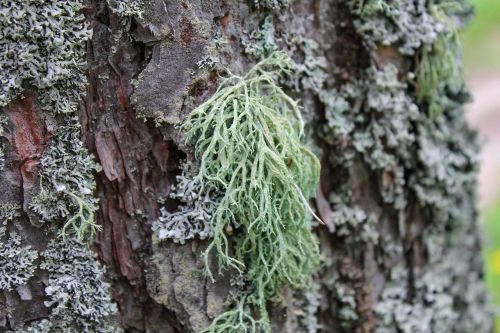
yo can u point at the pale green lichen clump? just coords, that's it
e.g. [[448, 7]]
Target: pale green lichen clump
[[247, 140]]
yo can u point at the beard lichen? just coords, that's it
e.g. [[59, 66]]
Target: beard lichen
[[247, 141]]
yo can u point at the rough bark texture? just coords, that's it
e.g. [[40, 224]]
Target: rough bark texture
[[400, 245]]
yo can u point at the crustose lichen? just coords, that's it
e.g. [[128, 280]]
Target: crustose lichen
[[247, 139]]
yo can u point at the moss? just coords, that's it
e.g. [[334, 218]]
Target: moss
[[246, 139]]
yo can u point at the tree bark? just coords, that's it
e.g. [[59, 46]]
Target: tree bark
[[400, 245]]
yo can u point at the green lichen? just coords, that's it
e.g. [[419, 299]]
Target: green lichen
[[247, 139]]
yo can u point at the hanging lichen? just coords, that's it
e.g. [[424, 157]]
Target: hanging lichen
[[247, 139]]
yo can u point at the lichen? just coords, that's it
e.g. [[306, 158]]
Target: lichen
[[272, 4], [3, 123], [381, 132], [439, 68], [197, 207], [404, 23], [17, 261], [260, 43], [428, 159], [127, 8], [246, 139], [309, 304], [43, 45], [67, 184], [77, 294]]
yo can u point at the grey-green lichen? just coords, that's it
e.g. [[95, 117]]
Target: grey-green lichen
[[439, 68], [3, 123], [77, 296], [309, 304], [17, 261], [67, 184], [43, 46], [406, 24], [127, 8], [272, 4], [247, 141], [430, 309], [197, 207], [427, 159], [261, 42]]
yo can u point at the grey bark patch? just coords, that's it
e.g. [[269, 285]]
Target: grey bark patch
[[166, 80]]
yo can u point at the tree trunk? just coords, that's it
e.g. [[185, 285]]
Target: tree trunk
[[381, 92]]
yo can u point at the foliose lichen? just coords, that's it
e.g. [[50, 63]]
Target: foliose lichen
[[17, 261], [428, 159], [406, 24], [3, 123], [43, 45], [77, 294], [272, 4], [67, 184], [197, 207], [127, 8], [247, 141], [43, 50], [309, 303]]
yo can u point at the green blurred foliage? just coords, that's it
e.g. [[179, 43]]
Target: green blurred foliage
[[491, 219], [482, 37]]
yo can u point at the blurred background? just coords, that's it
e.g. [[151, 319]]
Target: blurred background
[[481, 42]]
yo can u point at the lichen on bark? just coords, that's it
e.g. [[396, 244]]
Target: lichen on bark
[[43, 49]]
